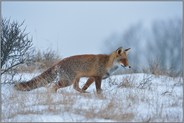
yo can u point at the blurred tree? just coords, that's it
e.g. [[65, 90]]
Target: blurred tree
[[167, 36], [134, 37], [162, 41]]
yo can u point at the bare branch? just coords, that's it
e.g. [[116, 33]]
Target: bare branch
[[15, 45]]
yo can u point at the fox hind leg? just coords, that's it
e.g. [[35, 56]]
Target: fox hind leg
[[60, 84]]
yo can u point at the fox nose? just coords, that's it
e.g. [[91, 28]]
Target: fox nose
[[128, 67]]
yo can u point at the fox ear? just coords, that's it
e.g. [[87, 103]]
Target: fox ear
[[119, 50], [127, 49]]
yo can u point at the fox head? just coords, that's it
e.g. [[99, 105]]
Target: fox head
[[121, 57]]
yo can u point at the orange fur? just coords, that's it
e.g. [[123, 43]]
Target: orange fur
[[69, 71]]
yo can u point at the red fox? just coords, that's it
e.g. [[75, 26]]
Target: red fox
[[69, 71]]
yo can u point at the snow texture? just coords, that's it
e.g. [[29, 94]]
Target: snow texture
[[130, 97]]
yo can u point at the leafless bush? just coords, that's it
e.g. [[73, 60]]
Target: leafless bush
[[16, 47], [146, 82], [41, 60], [155, 67], [127, 82], [45, 59], [112, 82]]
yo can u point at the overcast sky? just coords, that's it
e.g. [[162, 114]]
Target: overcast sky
[[72, 28]]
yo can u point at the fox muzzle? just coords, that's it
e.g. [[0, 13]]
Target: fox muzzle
[[126, 66]]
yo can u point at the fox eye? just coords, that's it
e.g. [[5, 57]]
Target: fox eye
[[122, 60]]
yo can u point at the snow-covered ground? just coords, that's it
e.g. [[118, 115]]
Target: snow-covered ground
[[129, 97]]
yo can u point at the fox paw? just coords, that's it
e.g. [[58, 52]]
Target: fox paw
[[99, 91], [52, 88], [83, 91]]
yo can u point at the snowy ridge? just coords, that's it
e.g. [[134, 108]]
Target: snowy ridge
[[129, 97]]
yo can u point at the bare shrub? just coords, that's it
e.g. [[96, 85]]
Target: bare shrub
[[155, 67], [112, 82], [127, 82], [146, 82], [16, 49], [15, 46], [45, 59], [41, 60], [115, 110]]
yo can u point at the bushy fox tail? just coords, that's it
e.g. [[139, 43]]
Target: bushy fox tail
[[39, 81]]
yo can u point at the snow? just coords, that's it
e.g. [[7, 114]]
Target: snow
[[134, 97]]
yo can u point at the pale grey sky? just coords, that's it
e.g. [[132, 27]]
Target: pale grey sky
[[72, 28]]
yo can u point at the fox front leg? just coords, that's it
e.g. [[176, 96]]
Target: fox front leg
[[98, 81], [76, 86], [91, 80]]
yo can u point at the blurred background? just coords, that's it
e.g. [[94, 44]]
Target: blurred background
[[153, 30]]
